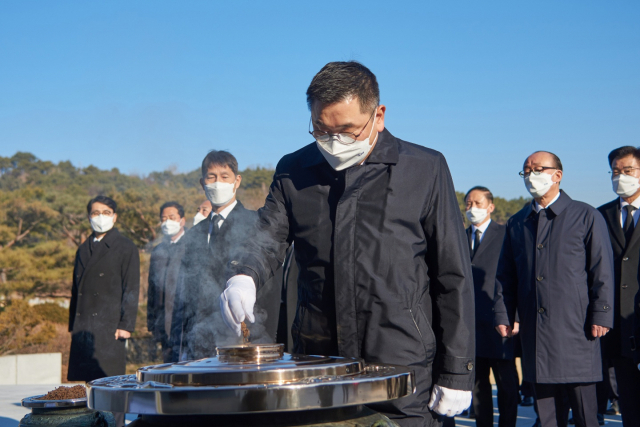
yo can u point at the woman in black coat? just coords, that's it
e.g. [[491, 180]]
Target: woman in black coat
[[104, 297]]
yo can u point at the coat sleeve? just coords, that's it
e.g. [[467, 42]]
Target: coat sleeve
[[74, 293], [636, 329], [506, 291], [130, 274], [600, 276], [263, 255], [152, 300], [451, 285]]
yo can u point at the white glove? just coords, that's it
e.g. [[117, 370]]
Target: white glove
[[237, 301], [449, 402]]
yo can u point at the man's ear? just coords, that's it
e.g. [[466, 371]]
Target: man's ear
[[183, 222], [238, 181], [491, 208], [559, 173], [115, 217]]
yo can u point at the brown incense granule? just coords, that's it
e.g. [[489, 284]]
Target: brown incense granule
[[64, 393]]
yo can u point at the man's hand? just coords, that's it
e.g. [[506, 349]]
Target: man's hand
[[237, 301], [516, 329], [122, 334], [449, 402], [598, 331], [505, 331]]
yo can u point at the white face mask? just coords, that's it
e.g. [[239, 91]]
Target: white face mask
[[476, 215], [101, 223], [199, 217], [171, 227], [538, 185], [625, 185], [219, 193], [342, 156]]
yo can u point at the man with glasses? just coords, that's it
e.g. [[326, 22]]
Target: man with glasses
[[556, 270], [104, 298], [384, 271], [621, 216]]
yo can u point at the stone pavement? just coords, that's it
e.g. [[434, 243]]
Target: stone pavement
[[11, 412]]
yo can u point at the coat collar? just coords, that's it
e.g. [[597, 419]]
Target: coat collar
[[385, 151], [611, 212], [556, 208]]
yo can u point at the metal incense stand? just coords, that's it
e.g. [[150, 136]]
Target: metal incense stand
[[242, 383], [67, 413]]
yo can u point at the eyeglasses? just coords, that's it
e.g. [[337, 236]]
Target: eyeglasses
[[94, 214], [625, 171], [346, 138], [536, 171]]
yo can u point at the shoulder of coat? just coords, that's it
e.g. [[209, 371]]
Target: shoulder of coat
[[299, 158], [612, 204], [406, 148]]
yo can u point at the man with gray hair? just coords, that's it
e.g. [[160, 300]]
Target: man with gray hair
[[384, 271], [556, 270]]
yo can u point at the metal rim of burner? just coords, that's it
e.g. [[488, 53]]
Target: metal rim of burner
[[37, 402], [250, 353]]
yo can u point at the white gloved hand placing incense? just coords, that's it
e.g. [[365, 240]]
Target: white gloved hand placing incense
[[237, 301], [449, 402]]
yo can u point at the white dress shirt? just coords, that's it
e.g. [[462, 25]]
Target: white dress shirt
[[482, 228], [537, 207], [635, 213], [178, 238]]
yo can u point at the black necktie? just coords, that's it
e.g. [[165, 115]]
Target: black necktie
[[628, 223], [476, 241]]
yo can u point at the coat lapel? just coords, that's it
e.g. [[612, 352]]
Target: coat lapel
[[612, 215], [469, 240], [106, 243], [635, 237]]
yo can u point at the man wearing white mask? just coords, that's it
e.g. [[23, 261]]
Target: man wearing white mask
[[164, 267], [493, 352], [104, 298], [203, 212], [197, 327], [384, 272], [621, 216], [556, 271]]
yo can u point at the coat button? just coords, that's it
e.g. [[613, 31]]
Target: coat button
[[540, 278], [77, 314], [540, 246], [101, 274], [469, 366], [625, 258], [624, 286], [606, 307], [541, 310], [79, 295], [94, 314]]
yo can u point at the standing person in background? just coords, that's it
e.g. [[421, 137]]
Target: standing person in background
[[164, 268], [493, 352], [197, 327], [556, 270], [104, 298], [621, 216], [203, 212], [384, 271]]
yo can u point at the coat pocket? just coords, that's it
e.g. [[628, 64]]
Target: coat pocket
[[427, 337]]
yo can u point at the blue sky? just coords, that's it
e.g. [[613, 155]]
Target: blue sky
[[150, 85]]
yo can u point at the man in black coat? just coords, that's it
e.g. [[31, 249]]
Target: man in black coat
[[493, 352], [556, 270], [197, 326], [104, 298], [621, 216], [384, 271], [163, 276]]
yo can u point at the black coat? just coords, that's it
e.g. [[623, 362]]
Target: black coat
[[626, 259], [556, 269], [484, 264], [164, 268], [197, 325], [104, 297], [384, 272]]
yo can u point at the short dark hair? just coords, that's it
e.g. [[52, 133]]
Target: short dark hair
[[556, 160], [338, 81], [176, 205], [220, 158], [625, 151], [487, 193], [104, 200]]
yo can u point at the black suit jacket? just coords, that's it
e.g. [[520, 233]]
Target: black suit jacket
[[484, 265], [197, 324], [620, 341], [104, 297]]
